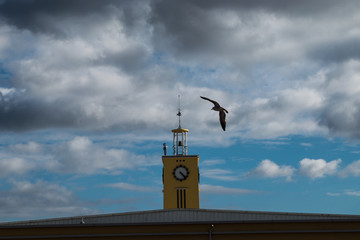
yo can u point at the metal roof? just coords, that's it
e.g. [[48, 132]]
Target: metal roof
[[184, 216]]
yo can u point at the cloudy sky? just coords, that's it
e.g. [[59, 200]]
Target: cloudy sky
[[89, 92]]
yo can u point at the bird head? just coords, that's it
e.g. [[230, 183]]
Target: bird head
[[213, 108]]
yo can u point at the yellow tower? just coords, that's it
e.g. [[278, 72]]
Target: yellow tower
[[180, 173]]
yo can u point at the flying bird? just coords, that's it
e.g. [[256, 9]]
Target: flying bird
[[221, 111]]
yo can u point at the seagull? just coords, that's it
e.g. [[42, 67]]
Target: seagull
[[221, 111]]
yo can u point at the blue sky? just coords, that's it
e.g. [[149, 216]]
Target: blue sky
[[89, 93]]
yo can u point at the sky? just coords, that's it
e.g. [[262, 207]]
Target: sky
[[89, 93]]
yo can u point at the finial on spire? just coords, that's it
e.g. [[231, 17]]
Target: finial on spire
[[179, 113], [180, 142]]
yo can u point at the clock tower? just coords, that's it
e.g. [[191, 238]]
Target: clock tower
[[180, 173]]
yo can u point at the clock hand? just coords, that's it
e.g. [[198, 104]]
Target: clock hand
[[182, 174]]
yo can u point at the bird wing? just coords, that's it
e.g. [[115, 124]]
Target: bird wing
[[222, 117], [214, 102]]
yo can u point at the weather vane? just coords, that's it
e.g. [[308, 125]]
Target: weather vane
[[179, 113]]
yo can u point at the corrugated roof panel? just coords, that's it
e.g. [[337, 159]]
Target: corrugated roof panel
[[184, 215]]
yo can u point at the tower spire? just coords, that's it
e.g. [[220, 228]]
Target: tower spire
[[180, 141], [179, 112]]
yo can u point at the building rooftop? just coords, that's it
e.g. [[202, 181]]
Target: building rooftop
[[185, 216]]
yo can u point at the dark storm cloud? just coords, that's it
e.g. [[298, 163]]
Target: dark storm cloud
[[337, 118], [196, 26], [180, 18], [130, 60], [340, 111], [284, 6], [29, 114], [34, 114], [341, 115], [41, 15], [35, 15], [183, 27], [337, 50]]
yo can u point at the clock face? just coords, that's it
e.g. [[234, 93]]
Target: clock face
[[181, 173]]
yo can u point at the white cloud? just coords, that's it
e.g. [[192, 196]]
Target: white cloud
[[285, 111], [215, 189], [318, 168], [352, 193], [212, 162], [219, 174], [6, 91], [40, 199], [75, 156], [341, 111], [333, 194], [28, 148], [306, 144], [347, 192], [81, 156], [269, 169], [14, 165], [353, 169], [130, 187]]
